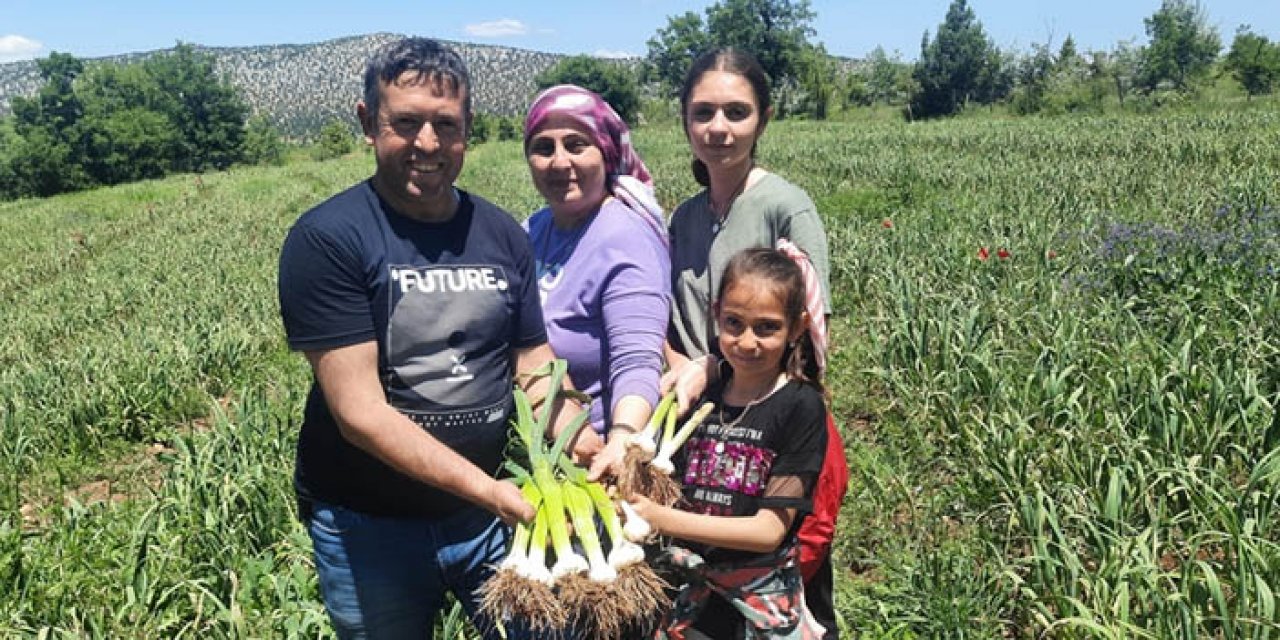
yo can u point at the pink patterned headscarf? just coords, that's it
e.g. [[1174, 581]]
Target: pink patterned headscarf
[[812, 299], [627, 178]]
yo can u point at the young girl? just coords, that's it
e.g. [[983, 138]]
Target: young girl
[[725, 107], [749, 470]]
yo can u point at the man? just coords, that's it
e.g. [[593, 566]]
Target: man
[[414, 303]]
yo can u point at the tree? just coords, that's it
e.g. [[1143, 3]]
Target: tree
[[995, 77], [1067, 54], [1254, 62], [673, 49], [816, 83], [55, 107], [777, 32], [42, 160], [336, 140], [106, 123], [481, 128], [41, 165], [1182, 48], [615, 84], [262, 142], [1121, 67], [127, 145], [509, 128], [122, 137], [8, 140], [207, 110], [1034, 73], [888, 77], [959, 65]]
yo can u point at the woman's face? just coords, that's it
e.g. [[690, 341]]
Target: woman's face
[[723, 120], [567, 167]]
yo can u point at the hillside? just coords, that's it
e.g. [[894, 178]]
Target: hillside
[[301, 86]]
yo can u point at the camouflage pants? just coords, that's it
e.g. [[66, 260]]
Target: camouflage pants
[[768, 594]]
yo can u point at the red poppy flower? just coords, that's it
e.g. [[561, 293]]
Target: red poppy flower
[[983, 254], [1003, 253], [1051, 254], [887, 223]]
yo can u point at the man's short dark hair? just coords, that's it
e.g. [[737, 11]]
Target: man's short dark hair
[[429, 60]]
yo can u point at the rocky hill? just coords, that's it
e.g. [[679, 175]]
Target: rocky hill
[[300, 87]]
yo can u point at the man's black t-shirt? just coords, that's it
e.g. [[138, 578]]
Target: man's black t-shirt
[[446, 303]]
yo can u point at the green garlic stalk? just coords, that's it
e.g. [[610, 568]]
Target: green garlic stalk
[[662, 462], [584, 524], [645, 439]]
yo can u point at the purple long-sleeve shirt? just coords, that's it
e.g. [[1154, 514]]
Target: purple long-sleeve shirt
[[605, 299]]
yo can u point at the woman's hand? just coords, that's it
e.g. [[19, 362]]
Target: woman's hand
[[586, 446], [608, 462]]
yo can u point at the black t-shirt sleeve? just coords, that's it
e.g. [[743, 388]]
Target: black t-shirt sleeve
[[324, 299], [801, 443], [530, 330]]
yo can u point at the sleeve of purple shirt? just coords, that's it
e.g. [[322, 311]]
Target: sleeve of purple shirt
[[636, 310]]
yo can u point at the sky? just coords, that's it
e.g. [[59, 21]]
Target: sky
[[852, 28]]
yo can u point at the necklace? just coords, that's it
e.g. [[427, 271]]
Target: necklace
[[759, 397], [550, 260], [721, 211]]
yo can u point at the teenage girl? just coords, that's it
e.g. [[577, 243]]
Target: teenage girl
[[725, 106], [749, 470]]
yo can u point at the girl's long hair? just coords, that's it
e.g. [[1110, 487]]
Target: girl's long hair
[[783, 277]]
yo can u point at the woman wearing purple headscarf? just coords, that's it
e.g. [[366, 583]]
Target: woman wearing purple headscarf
[[604, 268]]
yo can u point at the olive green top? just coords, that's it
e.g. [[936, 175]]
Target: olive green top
[[770, 209]]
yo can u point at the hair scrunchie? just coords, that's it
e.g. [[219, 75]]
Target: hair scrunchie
[[812, 299]]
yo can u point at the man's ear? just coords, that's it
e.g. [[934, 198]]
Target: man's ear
[[368, 121]]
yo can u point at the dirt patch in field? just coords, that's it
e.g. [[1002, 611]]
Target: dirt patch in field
[[862, 425], [124, 479], [136, 474]]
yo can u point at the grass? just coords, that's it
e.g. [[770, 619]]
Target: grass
[[1077, 440]]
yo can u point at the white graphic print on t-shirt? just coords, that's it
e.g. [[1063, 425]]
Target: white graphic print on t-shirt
[[441, 319]]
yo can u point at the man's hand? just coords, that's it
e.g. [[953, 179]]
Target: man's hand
[[509, 504]]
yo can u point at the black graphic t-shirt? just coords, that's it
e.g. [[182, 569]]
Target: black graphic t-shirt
[[726, 464], [445, 302]]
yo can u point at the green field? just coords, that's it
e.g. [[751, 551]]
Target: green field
[[1075, 437]]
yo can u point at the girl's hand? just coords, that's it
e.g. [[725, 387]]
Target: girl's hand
[[647, 509]]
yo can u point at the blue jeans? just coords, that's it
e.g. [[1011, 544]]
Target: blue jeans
[[386, 577]]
